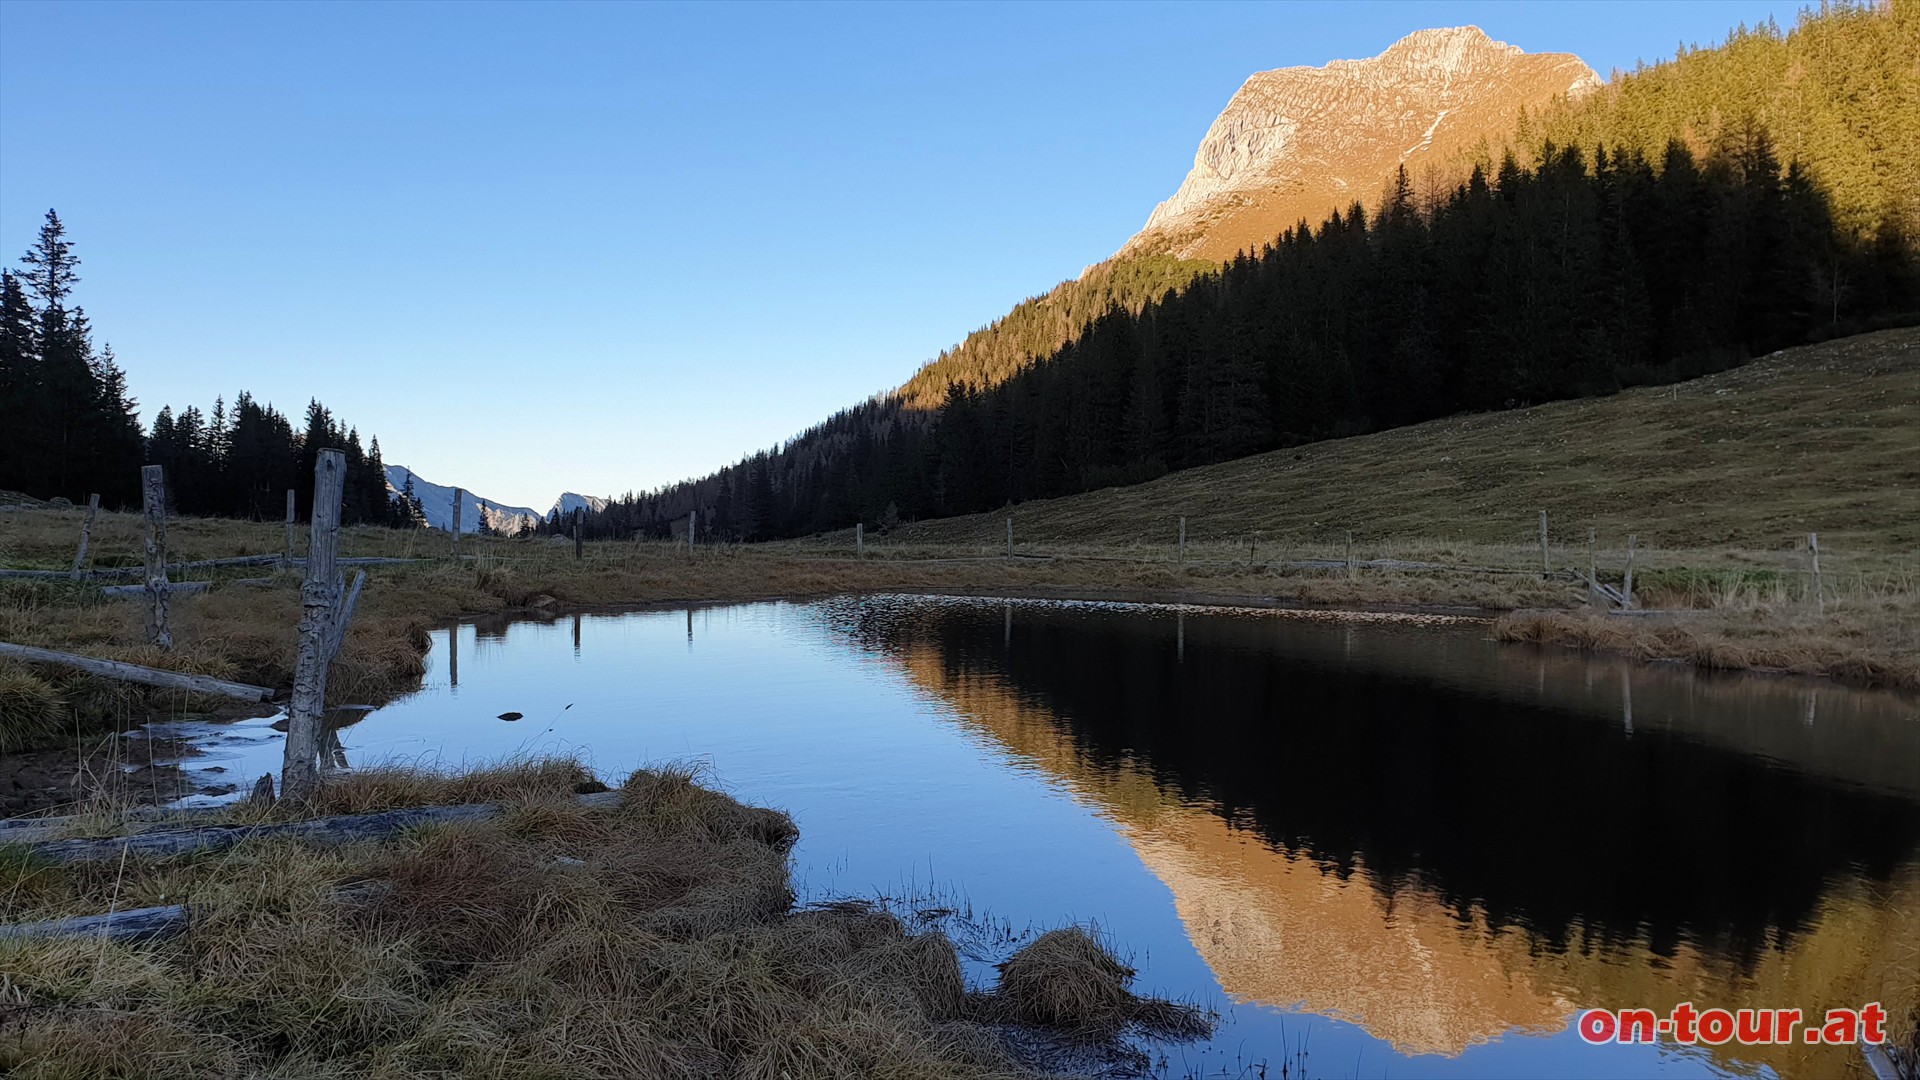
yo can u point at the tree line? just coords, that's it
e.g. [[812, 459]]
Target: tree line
[[1683, 242], [68, 427]]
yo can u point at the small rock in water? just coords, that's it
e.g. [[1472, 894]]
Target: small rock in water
[[509, 716]]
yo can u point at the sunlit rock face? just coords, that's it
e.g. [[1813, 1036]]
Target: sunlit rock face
[[1299, 142]]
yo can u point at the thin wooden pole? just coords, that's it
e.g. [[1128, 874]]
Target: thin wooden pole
[[1593, 568], [1009, 538], [1349, 554], [860, 538], [1819, 593], [346, 613], [579, 512], [153, 499], [693, 526], [1626, 587], [1183, 539], [319, 610], [86, 533], [290, 521], [1546, 564], [457, 500]]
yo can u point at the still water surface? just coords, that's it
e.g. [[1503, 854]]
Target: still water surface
[[1412, 850]]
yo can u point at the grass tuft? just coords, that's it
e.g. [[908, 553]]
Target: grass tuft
[[649, 936]]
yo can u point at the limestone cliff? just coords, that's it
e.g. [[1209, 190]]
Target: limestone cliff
[[1301, 141]]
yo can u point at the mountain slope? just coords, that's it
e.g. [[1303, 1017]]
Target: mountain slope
[[1297, 142], [1820, 438], [436, 502]]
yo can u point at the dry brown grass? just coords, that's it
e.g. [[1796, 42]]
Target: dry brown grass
[[655, 937], [1875, 642]]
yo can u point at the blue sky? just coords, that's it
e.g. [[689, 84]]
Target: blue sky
[[602, 247]]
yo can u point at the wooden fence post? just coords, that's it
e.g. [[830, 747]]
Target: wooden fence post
[[1546, 564], [1183, 539], [153, 500], [860, 538], [579, 512], [693, 526], [1009, 537], [1349, 554], [1626, 587], [290, 520], [319, 610], [1819, 593], [86, 533], [457, 500]]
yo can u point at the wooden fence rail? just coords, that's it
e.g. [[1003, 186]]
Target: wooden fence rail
[[115, 669]]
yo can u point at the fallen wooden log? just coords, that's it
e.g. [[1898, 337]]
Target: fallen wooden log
[[115, 669], [137, 925], [151, 818], [176, 589], [125, 927], [342, 829], [111, 572]]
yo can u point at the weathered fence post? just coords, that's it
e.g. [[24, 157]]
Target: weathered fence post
[[578, 513], [1009, 537], [1546, 565], [86, 533], [290, 521], [1349, 554], [860, 538], [693, 526], [319, 610], [153, 500], [1183, 539], [457, 500], [1626, 587], [1819, 593]]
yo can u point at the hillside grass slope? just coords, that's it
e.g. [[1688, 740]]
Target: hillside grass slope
[[1821, 438]]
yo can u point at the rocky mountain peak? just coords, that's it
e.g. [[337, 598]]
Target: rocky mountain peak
[[1301, 141]]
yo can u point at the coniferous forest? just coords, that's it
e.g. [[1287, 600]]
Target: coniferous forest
[[1668, 235], [68, 428]]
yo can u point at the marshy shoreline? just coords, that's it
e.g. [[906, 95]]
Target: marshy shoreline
[[650, 930], [61, 733]]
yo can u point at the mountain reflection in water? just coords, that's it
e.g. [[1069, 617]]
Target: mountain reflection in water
[[1443, 839]]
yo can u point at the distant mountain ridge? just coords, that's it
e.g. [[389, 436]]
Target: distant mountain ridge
[[436, 503], [1295, 143]]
